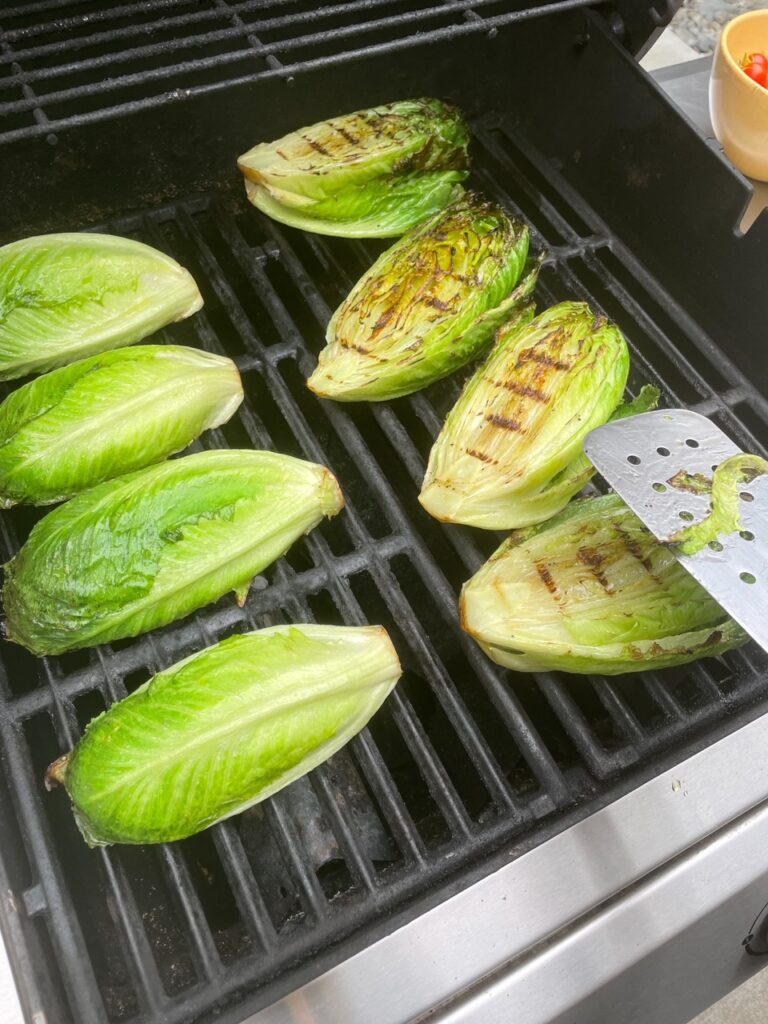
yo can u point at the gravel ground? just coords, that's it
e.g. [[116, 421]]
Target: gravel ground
[[698, 22]]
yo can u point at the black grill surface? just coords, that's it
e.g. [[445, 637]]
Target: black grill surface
[[71, 63], [465, 766]]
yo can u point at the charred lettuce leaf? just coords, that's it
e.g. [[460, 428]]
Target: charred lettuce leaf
[[510, 452], [67, 296], [374, 173], [592, 591], [724, 489], [428, 305]]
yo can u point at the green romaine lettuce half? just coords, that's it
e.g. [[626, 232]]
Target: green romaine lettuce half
[[430, 304], [592, 591], [510, 452], [145, 549], [108, 415], [373, 173], [223, 730], [67, 296]]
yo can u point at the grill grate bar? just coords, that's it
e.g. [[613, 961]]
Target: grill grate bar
[[613, 703], [206, 957], [20, 80], [355, 857], [141, 962], [292, 849], [437, 779], [232, 12], [288, 71], [255, 43], [382, 786], [250, 901], [702, 676], [662, 696]]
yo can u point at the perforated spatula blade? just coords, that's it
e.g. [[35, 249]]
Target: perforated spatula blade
[[649, 461]]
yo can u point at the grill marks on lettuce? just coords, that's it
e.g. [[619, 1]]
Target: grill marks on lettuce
[[510, 452], [428, 305], [373, 173], [592, 590]]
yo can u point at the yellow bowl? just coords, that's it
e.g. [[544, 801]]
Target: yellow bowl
[[737, 105]]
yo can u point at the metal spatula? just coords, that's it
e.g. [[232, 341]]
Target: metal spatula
[[645, 459]]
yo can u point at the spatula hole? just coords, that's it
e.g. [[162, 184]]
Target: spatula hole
[[659, 487], [715, 545], [687, 516], [663, 451], [634, 460], [746, 535], [691, 443], [746, 496], [747, 577]]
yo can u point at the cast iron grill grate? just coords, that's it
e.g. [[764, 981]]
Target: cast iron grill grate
[[63, 65], [465, 766]]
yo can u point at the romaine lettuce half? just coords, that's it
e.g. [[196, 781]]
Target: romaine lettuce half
[[592, 591], [67, 296], [224, 729], [429, 305], [510, 452], [145, 549], [109, 415], [374, 173]]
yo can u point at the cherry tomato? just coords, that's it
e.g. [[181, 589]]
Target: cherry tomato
[[758, 73], [757, 58]]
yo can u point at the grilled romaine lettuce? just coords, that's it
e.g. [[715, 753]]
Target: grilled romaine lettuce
[[143, 550], [510, 452], [725, 491], [63, 297], [108, 415], [592, 591], [223, 730], [428, 305], [371, 174]]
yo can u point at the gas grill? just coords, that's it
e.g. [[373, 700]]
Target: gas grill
[[494, 847]]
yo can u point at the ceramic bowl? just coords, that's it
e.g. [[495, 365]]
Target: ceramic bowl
[[737, 105]]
